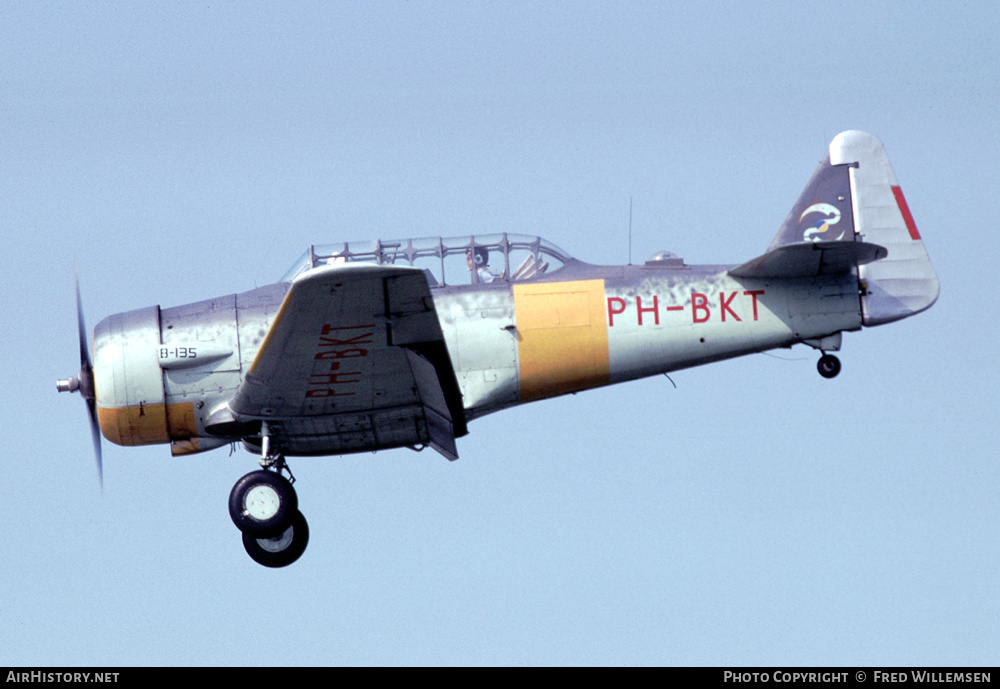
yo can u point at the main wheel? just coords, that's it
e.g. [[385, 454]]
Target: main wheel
[[828, 366], [263, 504], [281, 550]]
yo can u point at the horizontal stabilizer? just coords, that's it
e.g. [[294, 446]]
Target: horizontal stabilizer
[[810, 259]]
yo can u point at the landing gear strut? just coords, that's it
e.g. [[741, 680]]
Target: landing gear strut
[[828, 365], [264, 506]]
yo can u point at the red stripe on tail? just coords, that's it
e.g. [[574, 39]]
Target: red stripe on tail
[[905, 210]]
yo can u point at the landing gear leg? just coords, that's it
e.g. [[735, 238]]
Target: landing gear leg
[[264, 506], [828, 366]]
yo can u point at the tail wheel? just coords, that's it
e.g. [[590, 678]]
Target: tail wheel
[[262, 504], [282, 550], [828, 366]]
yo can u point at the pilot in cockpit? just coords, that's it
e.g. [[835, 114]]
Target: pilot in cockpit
[[477, 260]]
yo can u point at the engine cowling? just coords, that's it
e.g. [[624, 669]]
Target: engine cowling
[[131, 406]]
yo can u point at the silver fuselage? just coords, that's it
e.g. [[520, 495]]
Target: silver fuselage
[[162, 373]]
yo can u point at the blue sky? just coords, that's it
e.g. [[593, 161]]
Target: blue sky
[[755, 515]]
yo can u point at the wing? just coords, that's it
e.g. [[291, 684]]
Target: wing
[[810, 259], [354, 360]]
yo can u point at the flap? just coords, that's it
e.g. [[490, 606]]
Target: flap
[[810, 259]]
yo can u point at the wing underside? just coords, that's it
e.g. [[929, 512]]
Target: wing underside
[[354, 360]]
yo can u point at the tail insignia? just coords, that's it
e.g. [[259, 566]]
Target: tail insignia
[[823, 208], [832, 217]]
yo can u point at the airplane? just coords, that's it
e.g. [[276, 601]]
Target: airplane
[[372, 345]]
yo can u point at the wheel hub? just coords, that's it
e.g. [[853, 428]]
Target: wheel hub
[[262, 502], [278, 544]]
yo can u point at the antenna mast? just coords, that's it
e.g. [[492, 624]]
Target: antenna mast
[[630, 230]]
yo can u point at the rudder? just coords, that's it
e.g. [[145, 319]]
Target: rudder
[[904, 283]]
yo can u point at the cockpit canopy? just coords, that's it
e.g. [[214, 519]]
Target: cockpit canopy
[[447, 261]]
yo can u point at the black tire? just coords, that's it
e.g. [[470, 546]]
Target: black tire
[[828, 366], [263, 504], [282, 550]]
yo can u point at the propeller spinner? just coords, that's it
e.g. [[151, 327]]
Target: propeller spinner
[[84, 384]]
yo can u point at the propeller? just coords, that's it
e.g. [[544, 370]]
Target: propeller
[[84, 384]]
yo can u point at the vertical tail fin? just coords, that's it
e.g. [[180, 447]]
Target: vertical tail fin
[[854, 197], [823, 212]]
